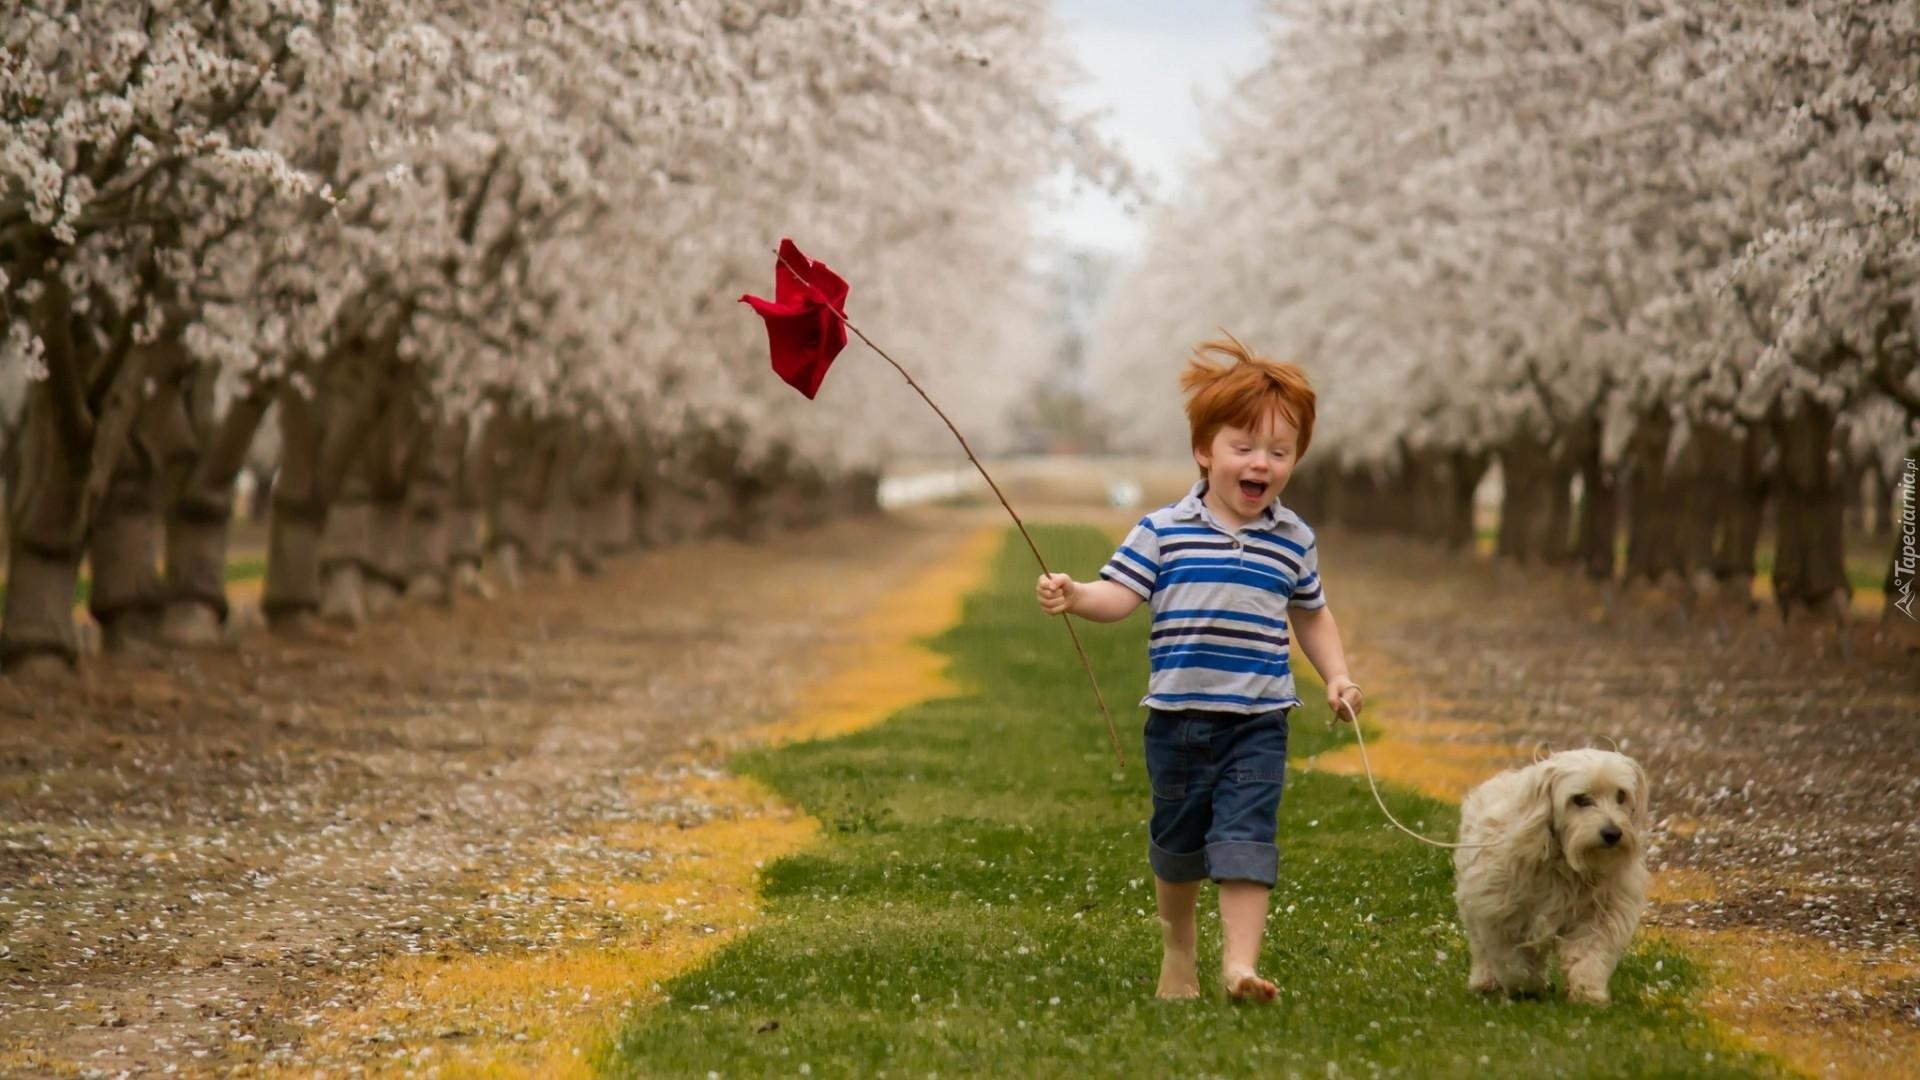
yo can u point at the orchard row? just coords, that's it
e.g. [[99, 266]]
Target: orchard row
[[1659, 260], [468, 271]]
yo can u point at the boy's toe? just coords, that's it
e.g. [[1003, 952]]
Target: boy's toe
[[1247, 986]]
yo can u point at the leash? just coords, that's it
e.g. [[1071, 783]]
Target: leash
[[1368, 765]]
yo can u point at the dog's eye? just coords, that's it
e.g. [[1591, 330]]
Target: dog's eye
[[1621, 797], [1583, 800]]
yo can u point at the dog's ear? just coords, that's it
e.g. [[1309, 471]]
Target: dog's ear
[[1640, 796], [1531, 834]]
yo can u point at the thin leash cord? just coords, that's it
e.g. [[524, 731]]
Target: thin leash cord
[[1368, 765]]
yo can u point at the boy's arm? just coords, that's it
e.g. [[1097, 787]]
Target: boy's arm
[[1126, 580], [1318, 635], [1099, 601]]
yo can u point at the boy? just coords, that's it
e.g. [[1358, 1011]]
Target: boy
[[1221, 569]]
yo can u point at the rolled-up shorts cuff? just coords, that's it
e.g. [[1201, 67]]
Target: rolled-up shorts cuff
[[1171, 866], [1243, 860]]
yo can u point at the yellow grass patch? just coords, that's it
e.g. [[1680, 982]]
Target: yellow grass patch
[[1822, 1010], [1439, 757], [1683, 885], [514, 1012]]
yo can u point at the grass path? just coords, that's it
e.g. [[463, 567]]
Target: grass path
[[979, 904]]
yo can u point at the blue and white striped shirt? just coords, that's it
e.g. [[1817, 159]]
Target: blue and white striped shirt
[[1219, 598]]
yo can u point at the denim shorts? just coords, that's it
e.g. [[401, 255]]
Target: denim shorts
[[1216, 794]]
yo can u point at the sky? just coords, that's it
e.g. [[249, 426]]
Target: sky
[[1146, 61]]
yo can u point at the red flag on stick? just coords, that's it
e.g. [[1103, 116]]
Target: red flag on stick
[[806, 329]]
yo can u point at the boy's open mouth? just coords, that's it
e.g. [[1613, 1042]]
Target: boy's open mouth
[[1253, 489]]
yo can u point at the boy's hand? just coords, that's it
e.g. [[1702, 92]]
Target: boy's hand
[[1345, 690], [1055, 593]]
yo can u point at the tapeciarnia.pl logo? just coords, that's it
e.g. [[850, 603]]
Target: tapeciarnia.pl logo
[[1904, 566]]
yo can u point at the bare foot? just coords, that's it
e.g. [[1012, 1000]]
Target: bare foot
[[1247, 986], [1179, 978]]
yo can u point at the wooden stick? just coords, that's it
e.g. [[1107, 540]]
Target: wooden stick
[[1113, 736]]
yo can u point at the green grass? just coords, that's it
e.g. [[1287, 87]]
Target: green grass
[[244, 568], [980, 904]]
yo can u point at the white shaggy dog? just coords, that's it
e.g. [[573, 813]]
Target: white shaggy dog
[[1567, 868]]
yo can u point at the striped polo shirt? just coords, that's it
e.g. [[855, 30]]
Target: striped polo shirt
[[1219, 598]]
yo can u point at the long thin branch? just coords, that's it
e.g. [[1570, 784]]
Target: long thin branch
[[1065, 620]]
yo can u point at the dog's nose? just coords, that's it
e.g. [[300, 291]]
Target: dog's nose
[[1611, 834]]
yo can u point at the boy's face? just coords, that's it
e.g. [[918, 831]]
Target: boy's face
[[1246, 469]]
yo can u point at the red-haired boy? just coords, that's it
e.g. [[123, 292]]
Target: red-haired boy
[[1232, 578]]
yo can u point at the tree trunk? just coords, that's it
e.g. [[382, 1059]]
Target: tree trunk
[[859, 492], [124, 552], [344, 545], [1599, 520], [1736, 547], [261, 508], [397, 440], [1810, 566], [1854, 476], [292, 594], [1697, 495], [559, 528], [1881, 493], [522, 465], [609, 516], [676, 512], [210, 450], [430, 496], [1525, 499], [467, 507], [1463, 473], [1654, 520], [77, 423], [1598, 528], [362, 555], [1556, 547]]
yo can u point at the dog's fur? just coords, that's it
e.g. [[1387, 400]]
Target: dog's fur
[[1551, 879]]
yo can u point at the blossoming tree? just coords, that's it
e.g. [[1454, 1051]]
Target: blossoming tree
[[1658, 257], [472, 265]]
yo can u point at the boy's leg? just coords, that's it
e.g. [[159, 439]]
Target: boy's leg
[[1243, 922], [1179, 963], [1241, 853], [1176, 836]]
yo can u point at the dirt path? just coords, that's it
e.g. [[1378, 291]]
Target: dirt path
[[230, 863], [1786, 768]]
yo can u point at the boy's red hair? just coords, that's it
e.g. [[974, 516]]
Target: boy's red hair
[[1243, 393]]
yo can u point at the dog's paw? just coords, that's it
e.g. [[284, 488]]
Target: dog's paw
[[1582, 994], [1483, 982]]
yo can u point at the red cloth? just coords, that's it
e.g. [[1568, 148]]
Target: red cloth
[[805, 325]]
